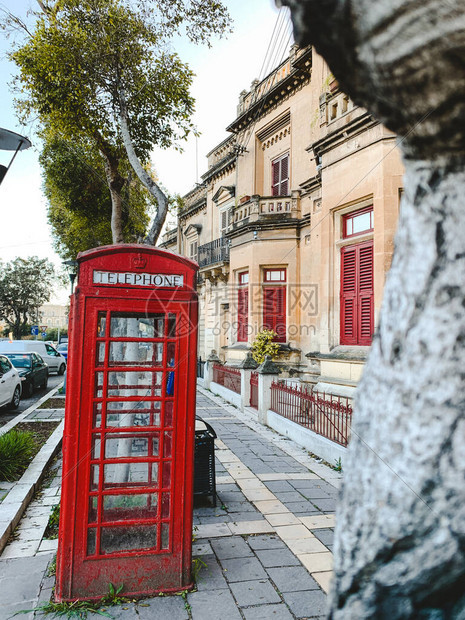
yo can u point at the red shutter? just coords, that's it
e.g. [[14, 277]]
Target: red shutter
[[348, 295], [280, 176], [275, 170], [357, 294], [366, 305], [242, 314], [274, 311], [284, 176]]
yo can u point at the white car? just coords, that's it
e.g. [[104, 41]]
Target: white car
[[54, 360], [10, 384]]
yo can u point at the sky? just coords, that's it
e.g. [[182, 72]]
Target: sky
[[222, 72]]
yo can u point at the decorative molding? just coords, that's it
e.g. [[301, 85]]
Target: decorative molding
[[337, 137], [272, 128], [276, 138], [229, 191], [193, 229], [219, 170], [272, 91]]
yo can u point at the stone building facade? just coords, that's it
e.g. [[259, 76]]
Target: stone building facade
[[293, 225]]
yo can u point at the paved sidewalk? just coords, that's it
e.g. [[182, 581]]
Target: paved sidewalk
[[264, 551]]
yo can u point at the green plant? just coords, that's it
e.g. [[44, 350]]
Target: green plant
[[197, 565], [113, 597], [80, 609], [16, 450], [52, 568], [264, 345], [183, 595], [51, 531], [73, 609], [338, 465]]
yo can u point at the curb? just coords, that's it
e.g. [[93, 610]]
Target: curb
[[15, 503], [22, 416]]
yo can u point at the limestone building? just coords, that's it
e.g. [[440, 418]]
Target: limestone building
[[293, 225]]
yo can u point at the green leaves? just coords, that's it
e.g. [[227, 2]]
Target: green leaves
[[80, 206], [263, 345], [25, 284], [73, 70]]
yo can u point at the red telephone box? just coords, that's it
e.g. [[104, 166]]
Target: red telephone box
[[126, 506]]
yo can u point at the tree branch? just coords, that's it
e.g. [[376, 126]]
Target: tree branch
[[143, 175]]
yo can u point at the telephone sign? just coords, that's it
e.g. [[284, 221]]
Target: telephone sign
[[126, 507]]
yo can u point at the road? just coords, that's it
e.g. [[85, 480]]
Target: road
[[7, 414]]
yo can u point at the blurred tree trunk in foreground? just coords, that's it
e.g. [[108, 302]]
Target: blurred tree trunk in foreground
[[400, 532]]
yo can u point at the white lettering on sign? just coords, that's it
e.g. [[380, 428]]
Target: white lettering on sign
[[162, 280]]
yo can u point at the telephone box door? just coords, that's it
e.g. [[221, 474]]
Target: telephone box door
[[133, 500]]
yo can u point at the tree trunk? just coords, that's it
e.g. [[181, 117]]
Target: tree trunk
[[143, 176], [399, 549], [115, 184]]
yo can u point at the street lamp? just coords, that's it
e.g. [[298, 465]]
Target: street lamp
[[72, 269], [11, 141]]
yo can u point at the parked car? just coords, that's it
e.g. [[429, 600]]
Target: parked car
[[32, 369], [10, 384], [54, 360], [63, 349]]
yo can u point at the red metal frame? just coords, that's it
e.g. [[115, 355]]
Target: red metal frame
[[325, 414], [243, 307], [351, 216], [228, 377], [126, 509], [254, 389]]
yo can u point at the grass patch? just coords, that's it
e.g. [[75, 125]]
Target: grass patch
[[51, 531], [17, 448], [53, 403], [20, 445], [81, 609]]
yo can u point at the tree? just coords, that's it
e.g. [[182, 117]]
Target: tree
[[25, 284], [399, 549], [79, 210], [99, 71]]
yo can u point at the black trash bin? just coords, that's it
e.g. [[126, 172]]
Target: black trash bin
[[204, 460]]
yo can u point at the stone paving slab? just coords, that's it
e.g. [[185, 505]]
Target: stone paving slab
[[16, 501], [21, 579], [214, 605], [255, 558], [256, 592]]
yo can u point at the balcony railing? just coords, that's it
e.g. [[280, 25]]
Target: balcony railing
[[216, 251], [266, 209]]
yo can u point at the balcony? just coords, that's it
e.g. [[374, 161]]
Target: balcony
[[263, 210], [216, 251], [213, 258]]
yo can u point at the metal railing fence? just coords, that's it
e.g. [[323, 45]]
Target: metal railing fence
[[228, 377], [325, 414]]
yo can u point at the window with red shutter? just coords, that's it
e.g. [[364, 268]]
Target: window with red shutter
[[274, 303], [243, 307], [357, 307], [280, 176]]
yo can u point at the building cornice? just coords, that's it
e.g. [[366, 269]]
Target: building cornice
[[299, 75], [230, 189], [196, 200], [274, 223], [342, 134], [227, 164], [310, 185]]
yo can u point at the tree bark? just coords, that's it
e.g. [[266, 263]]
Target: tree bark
[[143, 176], [399, 549], [115, 184]]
